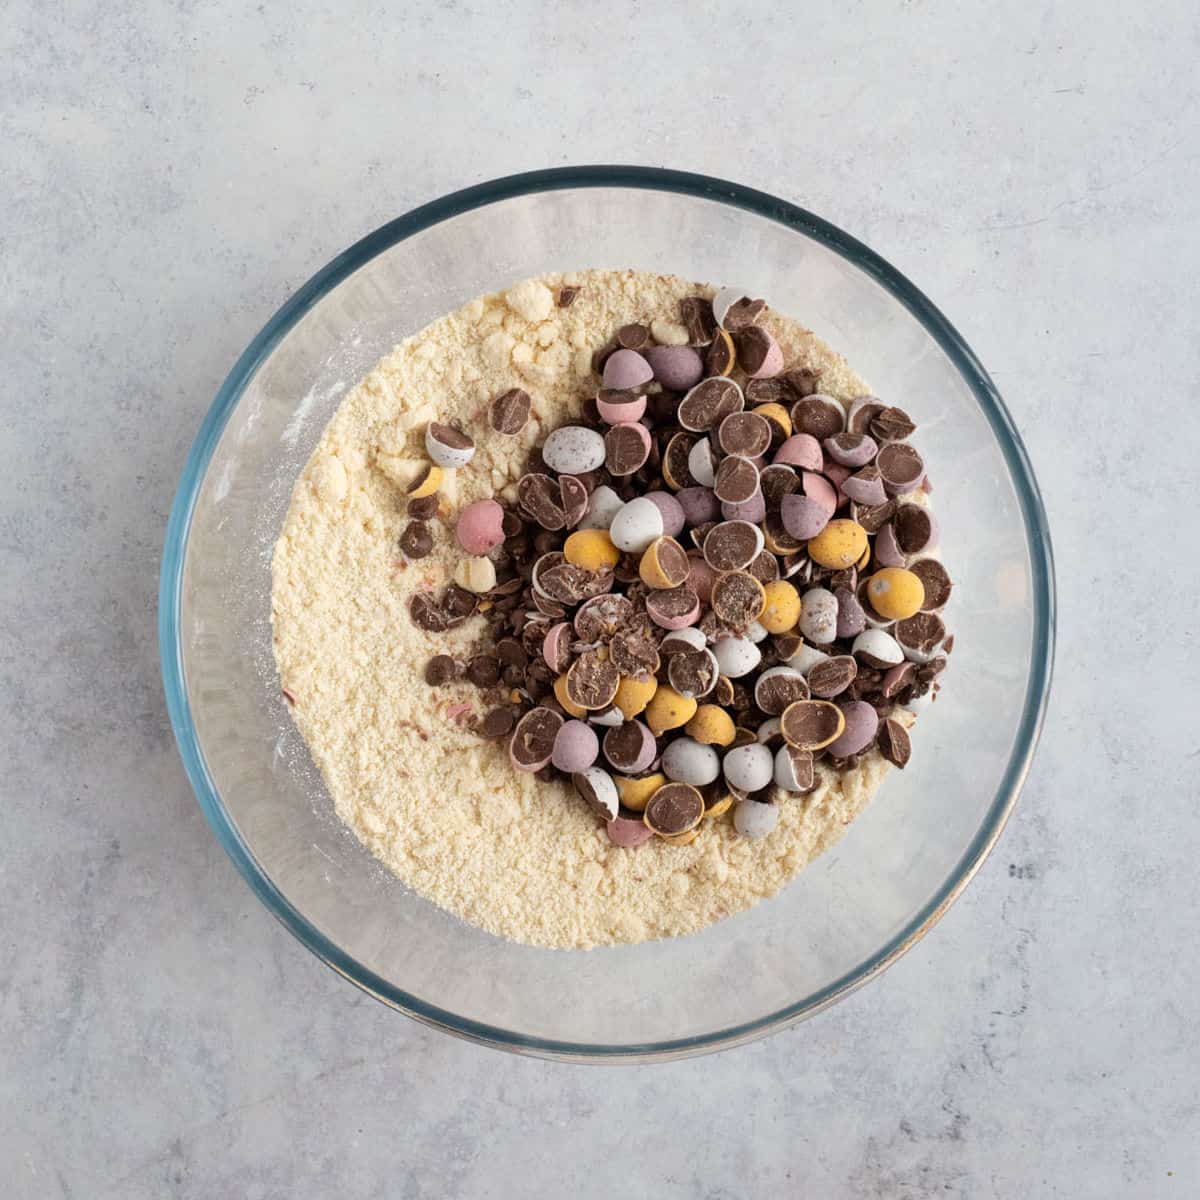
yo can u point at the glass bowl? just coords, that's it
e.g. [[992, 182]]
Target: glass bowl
[[853, 911]]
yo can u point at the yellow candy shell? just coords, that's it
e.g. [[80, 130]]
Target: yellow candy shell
[[569, 706], [669, 710], [634, 694], [591, 549], [839, 545], [777, 415], [896, 593], [720, 808], [782, 608], [425, 485], [711, 725]]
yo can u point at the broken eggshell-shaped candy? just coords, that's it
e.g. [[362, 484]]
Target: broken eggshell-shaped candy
[[573, 450], [533, 739], [591, 549], [626, 448], [447, 446], [852, 450], [877, 649], [803, 517], [806, 658], [818, 616], [700, 505], [617, 408], [793, 769], [887, 549], [753, 510], [556, 647], [669, 710], [630, 747], [603, 504], [598, 791], [702, 463], [636, 524], [576, 747], [480, 527], [754, 819], [627, 832], [736, 656], [800, 450], [851, 619], [816, 487], [677, 368], [674, 608], [626, 369]]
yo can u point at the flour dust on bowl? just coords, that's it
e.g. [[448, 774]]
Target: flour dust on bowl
[[855, 908]]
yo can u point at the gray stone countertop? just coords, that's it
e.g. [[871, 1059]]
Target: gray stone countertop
[[171, 171]]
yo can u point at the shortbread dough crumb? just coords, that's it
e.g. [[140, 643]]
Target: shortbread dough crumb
[[442, 809]]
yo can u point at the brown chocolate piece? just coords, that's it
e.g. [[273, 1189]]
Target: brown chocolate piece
[[692, 673], [533, 739], [625, 745], [497, 723], [737, 479], [913, 526], [778, 538], [671, 559], [589, 795], [423, 508], [708, 404], [892, 425], [625, 449], [723, 692], [737, 598], [450, 435], [420, 479], [601, 617], [566, 296], [427, 614], [753, 346], [511, 653], [936, 581], [633, 652], [923, 633], [764, 567], [697, 315], [592, 681], [573, 496], [674, 809], [873, 517], [777, 480], [721, 356], [509, 411], [785, 388], [896, 679], [859, 421], [675, 460], [744, 312], [894, 743], [900, 467], [440, 669], [633, 337], [817, 415], [744, 433], [774, 693], [540, 498], [787, 645], [731, 545], [416, 541], [483, 670], [832, 676], [811, 724], [569, 584]]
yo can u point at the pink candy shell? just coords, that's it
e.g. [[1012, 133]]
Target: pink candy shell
[[701, 577], [681, 622], [887, 549], [699, 504], [557, 638], [480, 527], [753, 510], [864, 491], [621, 413], [626, 369], [576, 747], [800, 450], [803, 517], [628, 833], [817, 487]]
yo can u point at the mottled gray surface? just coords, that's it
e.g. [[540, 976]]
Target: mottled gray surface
[[170, 172]]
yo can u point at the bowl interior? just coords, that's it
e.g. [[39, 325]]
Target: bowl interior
[[839, 919]]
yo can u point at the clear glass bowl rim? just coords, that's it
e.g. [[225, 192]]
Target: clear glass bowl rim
[[681, 183]]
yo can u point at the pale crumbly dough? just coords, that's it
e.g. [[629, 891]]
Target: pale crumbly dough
[[443, 809]]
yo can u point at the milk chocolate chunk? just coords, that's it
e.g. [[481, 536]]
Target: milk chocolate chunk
[[533, 739], [894, 743], [592, 681], [509, 411], [540, 498], [811, 724], [832, 676]]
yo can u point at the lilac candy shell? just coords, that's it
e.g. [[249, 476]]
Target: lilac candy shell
[[701, 577], [837, 475], [817, 487], [865, 491], [887, 549], [628, 833], [699, 504], [677, 368], [576, 747], [673, 513], [772, 364], [620, 413], [851, 620], [862, 723], [858, 457], [626, 369], [753, 510], [480, 527], [803, 517], [800, 450], [557, 637]]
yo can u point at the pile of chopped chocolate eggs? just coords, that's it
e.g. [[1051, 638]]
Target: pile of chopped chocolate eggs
[[714, 583]]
